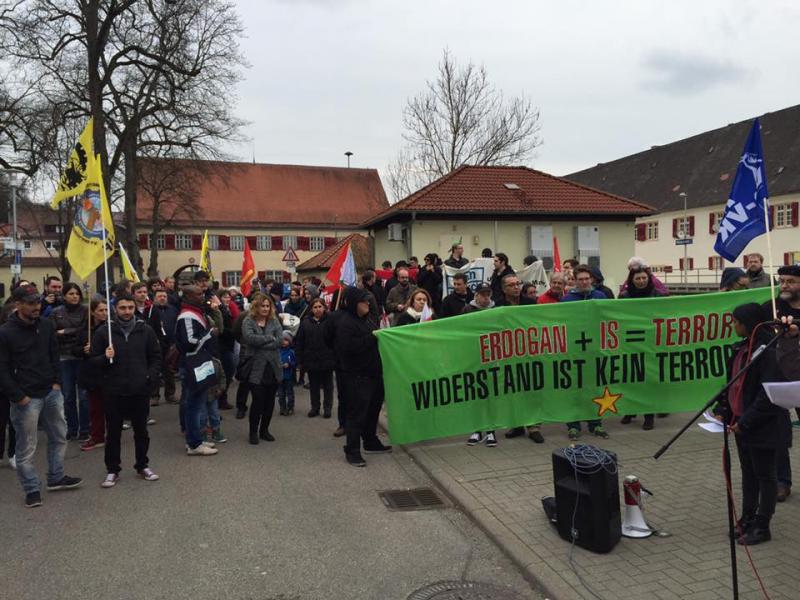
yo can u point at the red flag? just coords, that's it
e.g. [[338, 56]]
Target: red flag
[[340, 269], [248, 270], [556, 256]]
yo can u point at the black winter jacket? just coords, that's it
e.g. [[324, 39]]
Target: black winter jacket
[[454, 304], [497, 283], [356, 345], [431, 282], [72, 320], [29, 359], [311, 347], [137, 360]]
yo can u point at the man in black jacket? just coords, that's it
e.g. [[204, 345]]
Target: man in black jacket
[[455, 303], [30, 379], [360, 364], [130, 365]]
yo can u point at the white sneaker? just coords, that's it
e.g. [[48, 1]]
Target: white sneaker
[[209, 443], [151, 421], [491, 440], [12, 462], [474, 439], [148, 474], [201, 450], [110, 480], [126, 426]]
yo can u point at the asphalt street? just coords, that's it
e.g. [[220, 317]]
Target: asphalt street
[[288, 520]]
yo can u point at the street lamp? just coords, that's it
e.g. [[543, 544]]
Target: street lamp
[[16, 267], [685, 235], [348, 154]]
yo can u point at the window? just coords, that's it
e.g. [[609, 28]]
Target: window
[[230, 278], [161, 242], [237, 242], [51, 245], [316, 243], [54, 229], [274, 275], [183, 241], [652, 230], [688, 266], [213, 242], [783, 215], [715, 218], [683, 226], [26, 245], [290, 241], [716, 263], [263, 242]]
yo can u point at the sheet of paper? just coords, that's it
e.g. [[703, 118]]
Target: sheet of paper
[[785, 394], [715, 427]]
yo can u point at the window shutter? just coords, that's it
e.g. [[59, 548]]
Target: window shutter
[[675, 228], [169, 241], [277, 242], [744, 261], [287, 277], [197, 241], [302, 242], [641, 232], [710, 263], [224, 242], [330, 241], [691, 226], [680, 264], [251, 241], [771, 217], [795, 216], [262, 275], [787, 258], [143, 239], [224, 281], [712, 217]]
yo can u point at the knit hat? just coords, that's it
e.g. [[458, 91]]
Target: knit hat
[[749, 315], [729, 276], [313, 290], [793, 270], [276, 290]]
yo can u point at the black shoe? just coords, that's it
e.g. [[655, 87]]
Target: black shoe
[[355, 459], [225, 406], [626, 419], [648, 423], [536, 436], [755, 534], [742, 525], [266, 436], [516, 432], [33, 500], [66, 483], [339, 432], [283, 412], [241, 413], [71, 436], [377, 448], [254, 439], [83, 437], [314, 412]]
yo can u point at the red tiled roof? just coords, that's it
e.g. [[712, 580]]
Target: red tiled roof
[[278, 195], [482, 190], [362, 254]]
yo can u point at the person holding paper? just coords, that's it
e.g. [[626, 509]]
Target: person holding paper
[[762, 429]]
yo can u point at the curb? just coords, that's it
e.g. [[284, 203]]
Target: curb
[[540, 575]]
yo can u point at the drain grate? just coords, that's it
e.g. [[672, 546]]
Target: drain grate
[[416, 499], [462, 590]]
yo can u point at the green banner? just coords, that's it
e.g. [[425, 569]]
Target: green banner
[[512, 366]]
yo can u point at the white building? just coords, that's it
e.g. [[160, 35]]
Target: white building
[[698, 172]]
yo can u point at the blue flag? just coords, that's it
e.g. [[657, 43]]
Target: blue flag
[[744, 213]]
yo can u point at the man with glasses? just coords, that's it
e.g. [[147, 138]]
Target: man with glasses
[[584, 290], [787, 305]]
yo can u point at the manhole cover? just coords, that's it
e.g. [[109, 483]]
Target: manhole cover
[[416, 499], [462, 590]]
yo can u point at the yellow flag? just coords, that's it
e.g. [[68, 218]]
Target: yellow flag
[[85, 250], [75, 176], [127, 266], [205, 257]]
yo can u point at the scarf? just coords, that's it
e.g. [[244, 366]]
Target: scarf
[[126, 326], [414, 313]]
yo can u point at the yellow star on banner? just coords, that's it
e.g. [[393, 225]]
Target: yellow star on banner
[[606, 402]]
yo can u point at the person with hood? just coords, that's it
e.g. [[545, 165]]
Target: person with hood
[[360, 365], [262, 336], [481, 300], [371, 283], [316, 356], [310, 291], [761, 428], [640, 285], [501, 270], [733, 279], [128, 364], [455, 302], [756, 276], [69, 320], [597, 282], [556, 290], [397, 299], [456, 260], [416, 307]]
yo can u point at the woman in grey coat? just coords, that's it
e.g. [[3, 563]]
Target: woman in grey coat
[[261, 342]]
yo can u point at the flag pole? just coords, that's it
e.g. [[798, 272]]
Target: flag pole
[[108, 292], [769, 258]]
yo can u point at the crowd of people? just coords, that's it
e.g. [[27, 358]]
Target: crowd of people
[[88, 371]]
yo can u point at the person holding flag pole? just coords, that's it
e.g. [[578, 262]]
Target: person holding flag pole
[[205, 257]]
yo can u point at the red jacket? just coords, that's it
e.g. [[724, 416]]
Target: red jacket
[[548, 298]]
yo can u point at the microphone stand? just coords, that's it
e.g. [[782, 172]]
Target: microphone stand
[[716, 399]]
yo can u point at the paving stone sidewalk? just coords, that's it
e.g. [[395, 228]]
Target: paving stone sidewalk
[[501, 489]]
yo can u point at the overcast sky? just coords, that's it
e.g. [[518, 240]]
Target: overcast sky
[[610, 78]]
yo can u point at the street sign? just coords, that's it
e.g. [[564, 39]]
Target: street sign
[[684, 242], [290, 255], [291, 264], [6, 240], [16, 269]]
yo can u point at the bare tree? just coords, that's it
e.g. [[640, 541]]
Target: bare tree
[[461, 118]]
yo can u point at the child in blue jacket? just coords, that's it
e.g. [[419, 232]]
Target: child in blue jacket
[[286, 387]]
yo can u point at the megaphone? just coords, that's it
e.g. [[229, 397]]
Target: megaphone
[[633, 523]]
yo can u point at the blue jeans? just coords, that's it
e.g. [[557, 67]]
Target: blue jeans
[[76, 400], [26, 421], [192, 415], [286, 394], [228, 359], [592, 424], [209, 414]]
